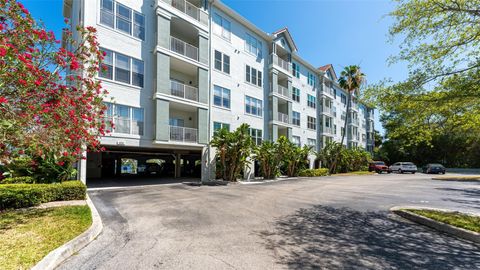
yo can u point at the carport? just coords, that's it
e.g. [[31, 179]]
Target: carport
[[143, 164]]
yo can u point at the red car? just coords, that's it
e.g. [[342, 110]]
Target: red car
[[377, 166]]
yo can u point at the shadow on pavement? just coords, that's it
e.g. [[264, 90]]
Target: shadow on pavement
[[470, 197], [135, 181], [342, 238]]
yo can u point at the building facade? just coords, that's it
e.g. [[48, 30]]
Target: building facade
[[179, 70]]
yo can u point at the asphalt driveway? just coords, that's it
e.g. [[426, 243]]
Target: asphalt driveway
[[326, 223]]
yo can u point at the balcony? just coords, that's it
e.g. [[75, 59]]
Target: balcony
[[327, 130], [281, 90], [327, 110], [183, 91], [281, 117], [274, 59], [183, 134], [190, 10], [183, 48], [353, 121]]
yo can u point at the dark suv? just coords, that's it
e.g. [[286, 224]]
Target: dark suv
[[377, 166], [433, 168]]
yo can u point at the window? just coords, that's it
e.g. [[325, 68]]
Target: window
[[221, 97], [222, 62], [295, 70], [176, 122], [296, 141], [138, 25], [311, 123], [107, 65], [342, 131], [343, 116], [122, 18], [137, 72], [106, 13], [335, 129], [221, 26], [296, 118], [311, 101], [296, 94], [217, 126], [344, 99], [124, 69], [253, 106], [311, 142], [253, 46], [253, 76], [127, 120], [256, 135], [311, 79]]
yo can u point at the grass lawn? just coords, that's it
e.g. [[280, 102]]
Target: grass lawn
[[458, 178], [28, 235], [354, 173], [456, 219]]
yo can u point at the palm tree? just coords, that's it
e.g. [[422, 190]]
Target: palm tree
[[351, 79]]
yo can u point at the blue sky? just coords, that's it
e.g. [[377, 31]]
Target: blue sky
[[340, 32]]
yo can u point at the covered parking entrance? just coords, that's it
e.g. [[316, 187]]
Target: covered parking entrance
[[143, 165]]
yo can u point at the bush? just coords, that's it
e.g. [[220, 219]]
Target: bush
[[18, 180], [26, 195], [314, 172]]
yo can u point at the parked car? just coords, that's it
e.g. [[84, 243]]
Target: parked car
[[433, 168], [402, 167], [377, 166]]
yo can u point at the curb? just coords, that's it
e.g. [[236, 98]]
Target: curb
[[60, 254], [453, 179], [440, 226]]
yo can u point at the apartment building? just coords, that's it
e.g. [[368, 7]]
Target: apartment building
[[178, 70]]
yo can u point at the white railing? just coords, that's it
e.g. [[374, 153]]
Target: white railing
[[190, 9], [328, 110], [370, 116], [283, 118], [183, 48], [328, 90], [327, 130], [282, 90], [183, 134], [183, 91], [353, 121], [274, 59]]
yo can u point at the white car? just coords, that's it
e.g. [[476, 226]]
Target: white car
[[402, 167]]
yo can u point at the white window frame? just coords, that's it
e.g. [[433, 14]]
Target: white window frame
[[130, 61], [222, 62], [131, 120], [258, 76], [225, 33], [257, 139], [254, 102], [253, 42], [222, 91], [311, 124], [132, 14]]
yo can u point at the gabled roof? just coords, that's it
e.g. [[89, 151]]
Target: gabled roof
[[288, 36], [327, 68]]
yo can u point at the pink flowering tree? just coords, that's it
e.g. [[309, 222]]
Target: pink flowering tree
[[50, 100]]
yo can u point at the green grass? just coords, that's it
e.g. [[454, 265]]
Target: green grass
[[28, 235], [457, 178], [456, 219]]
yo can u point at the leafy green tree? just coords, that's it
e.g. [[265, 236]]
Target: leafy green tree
[[348, 160], [293, 158], [232, 151], [351, 79], [440, 41], [269, 157]]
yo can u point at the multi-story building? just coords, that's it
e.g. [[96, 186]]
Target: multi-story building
[[178, 70]]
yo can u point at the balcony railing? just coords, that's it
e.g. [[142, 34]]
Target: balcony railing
[[281, 90], [353, 121], [183, 91], [189, 9], [328, 90], [183, 134], [183, 48], [283, 118], [328, 110], [274, 59], [327, 130]]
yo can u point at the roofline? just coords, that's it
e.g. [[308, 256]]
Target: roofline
[[285, 29]]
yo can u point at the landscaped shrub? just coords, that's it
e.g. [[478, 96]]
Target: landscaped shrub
[[26, 195], [18, 180], [314, 172]]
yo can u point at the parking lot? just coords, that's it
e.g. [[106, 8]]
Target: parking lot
[[328, 222]]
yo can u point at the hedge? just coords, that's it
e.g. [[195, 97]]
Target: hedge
[[18, 180], [314, 172], [27, 195]]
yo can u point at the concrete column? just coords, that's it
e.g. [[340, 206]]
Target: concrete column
[[249, 170], [203, 49], [82, 169], [163, 32], [289, 134], [274, 80], [202, 126], [274, 132], [162, 130], [274, 108], [203, 86], [163, 74], [290, 87], [178, 166]]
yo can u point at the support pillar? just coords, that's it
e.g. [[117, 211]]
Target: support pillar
[[178, 165]]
